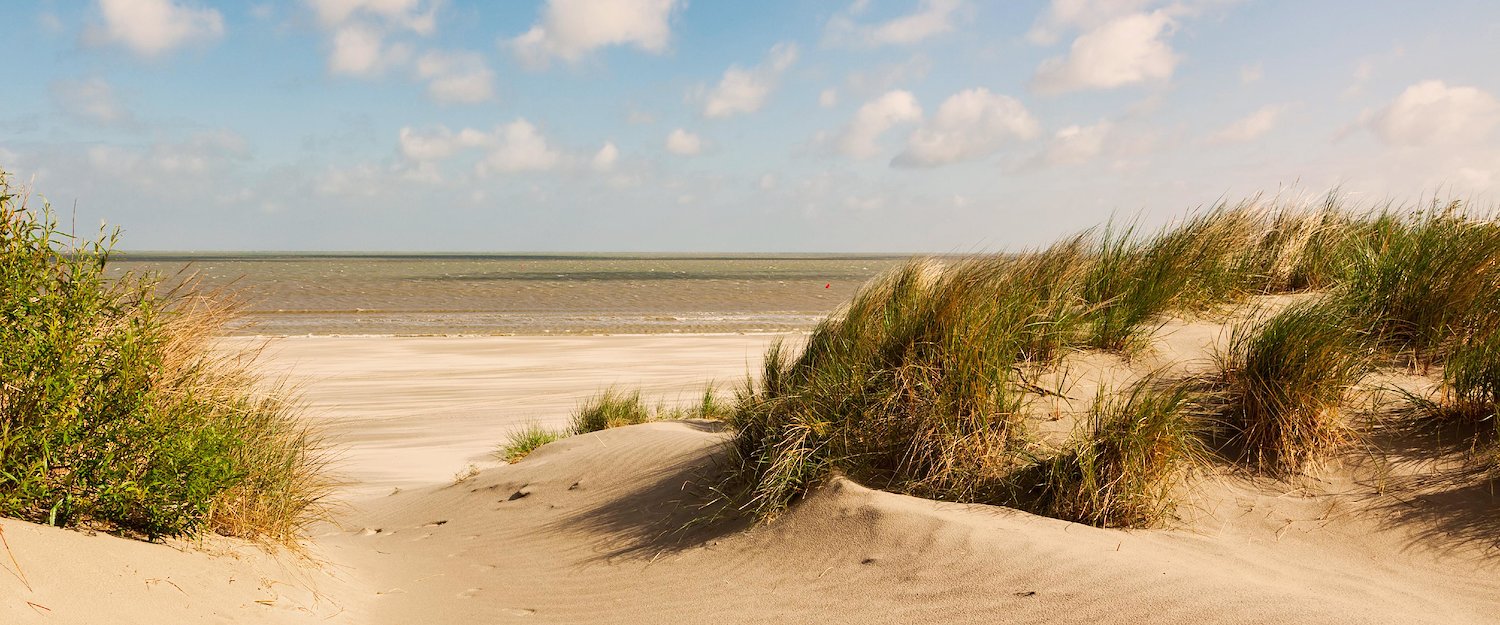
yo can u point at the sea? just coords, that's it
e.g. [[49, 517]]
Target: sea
[[516, 294]]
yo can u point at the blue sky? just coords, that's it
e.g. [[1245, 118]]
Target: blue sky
[[662, 125]]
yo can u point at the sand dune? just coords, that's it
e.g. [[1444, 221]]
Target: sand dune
[[580, 531]]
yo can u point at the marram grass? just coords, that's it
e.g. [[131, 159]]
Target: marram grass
[[917, 384]]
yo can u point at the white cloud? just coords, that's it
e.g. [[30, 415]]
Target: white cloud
[[744, 91], [860, 138], [684, 143], [570, 29], [1120, 52], [1432, 113], [457, 78], [828, 98], [92, 100], [767, 182], [202, 153], [1250, 127], [414, 15], [441, 143], [1251, 73], [970, 124], [153, 27], [519, 146], [1076, 145], [1065, 15], [360, 50], [604, 159], [931, 18], [883, 78]]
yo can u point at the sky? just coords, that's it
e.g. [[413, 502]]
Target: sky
[[947, 126]]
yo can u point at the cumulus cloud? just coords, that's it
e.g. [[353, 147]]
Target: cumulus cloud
[[151, 28], [1250, 127], [361, 29], [604, 159], [440, 143], [828, 98], [570, 29], [515, 147], [969, 125], [457, 77], [360, 50], [202, 153], [1122, 51], [860, 138], [684, 143], [931, 18], [1076, 145], [519, 146], [745, 90], [1062, 16], [415, 15], [91, 100], [1433, 113]]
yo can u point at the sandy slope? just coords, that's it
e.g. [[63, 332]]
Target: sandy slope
[[577, 533]]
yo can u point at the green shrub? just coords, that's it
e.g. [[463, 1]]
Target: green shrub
[[115, 412]]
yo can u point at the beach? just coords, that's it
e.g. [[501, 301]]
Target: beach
[[586, 530], [429, 525]]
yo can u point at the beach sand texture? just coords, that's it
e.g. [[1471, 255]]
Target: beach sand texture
[[580, 531]]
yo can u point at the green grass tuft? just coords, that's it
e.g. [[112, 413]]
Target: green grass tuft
[[1121, 468], [526, 439], [611, 408], [1282, 380]]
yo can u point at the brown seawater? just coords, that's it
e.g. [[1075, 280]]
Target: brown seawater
[[399, 294]]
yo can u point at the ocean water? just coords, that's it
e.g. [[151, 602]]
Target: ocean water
[[399, 294]]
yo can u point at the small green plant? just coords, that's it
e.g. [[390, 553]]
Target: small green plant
[[526, 439], [1120, 469], [1282, 380], [611, 408]]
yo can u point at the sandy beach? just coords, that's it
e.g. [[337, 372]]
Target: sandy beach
[[582, 530]]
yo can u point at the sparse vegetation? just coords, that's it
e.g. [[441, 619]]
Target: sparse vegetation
[[526, 439], [115, 410], [610, 409]]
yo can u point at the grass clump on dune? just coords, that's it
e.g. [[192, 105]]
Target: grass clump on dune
[[912, 386], [1119, 470], [1426, 282], [611, 408], [115, 411], [1282, 380], [526, 439]]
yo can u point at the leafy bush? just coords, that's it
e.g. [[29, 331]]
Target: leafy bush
[[116, 412]]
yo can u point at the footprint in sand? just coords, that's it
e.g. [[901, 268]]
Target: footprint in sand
[[519, 611], [470, 593]]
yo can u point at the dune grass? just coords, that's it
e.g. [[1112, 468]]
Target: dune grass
[[1282, 380], [526, 439], [918, 384], [117, 413], [610, 408], [1120, 467]]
